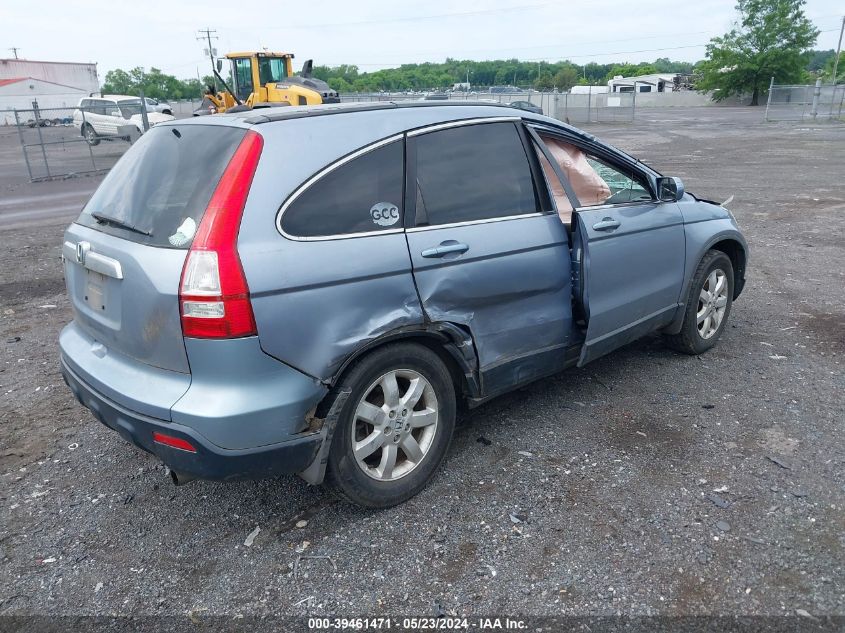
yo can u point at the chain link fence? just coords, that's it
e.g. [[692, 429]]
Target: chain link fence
[[575, 108], [64, 142], [805, 103]]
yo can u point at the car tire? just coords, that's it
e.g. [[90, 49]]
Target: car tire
[[708, 305], [391, 468], [90, 135]]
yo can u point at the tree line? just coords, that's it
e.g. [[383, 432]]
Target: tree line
[[509, 72]]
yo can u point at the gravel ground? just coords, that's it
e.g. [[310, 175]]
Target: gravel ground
[[646, 483]]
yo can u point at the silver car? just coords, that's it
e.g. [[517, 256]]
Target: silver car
[[316, 290]]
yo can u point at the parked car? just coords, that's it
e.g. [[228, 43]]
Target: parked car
[[527, 106], [240, 314], [154, 105], [97, 118]]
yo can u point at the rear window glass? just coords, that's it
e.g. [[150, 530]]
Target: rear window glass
[[157, 192]]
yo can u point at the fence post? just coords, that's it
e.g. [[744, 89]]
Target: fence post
[[634, 103], [769, 100], [23, 145], [589, 98], [90, 149], [40, 136], [144, 119], [817, 91]]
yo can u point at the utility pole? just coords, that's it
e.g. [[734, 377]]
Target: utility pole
[[838, 50], [15, 49], [207, 34]]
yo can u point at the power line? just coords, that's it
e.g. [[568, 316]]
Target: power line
[[571, 56], [414, 18]]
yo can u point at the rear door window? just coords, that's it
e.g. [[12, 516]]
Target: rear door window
[[158, 191], [472, 172], [362, 195]]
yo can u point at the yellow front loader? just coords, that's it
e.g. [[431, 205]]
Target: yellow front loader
[[263, 80]]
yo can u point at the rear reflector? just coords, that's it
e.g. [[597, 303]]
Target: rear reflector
[[213, 295], [173, 442]]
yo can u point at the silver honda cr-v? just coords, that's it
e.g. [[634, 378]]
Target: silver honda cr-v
[[316, 290]]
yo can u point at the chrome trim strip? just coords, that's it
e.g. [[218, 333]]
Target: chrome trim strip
[[418, 229], [461, 123], [326, 170], [94, 261]]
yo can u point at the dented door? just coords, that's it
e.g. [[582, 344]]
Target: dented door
[[501, 268]]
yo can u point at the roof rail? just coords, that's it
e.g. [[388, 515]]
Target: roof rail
[[269, 114]]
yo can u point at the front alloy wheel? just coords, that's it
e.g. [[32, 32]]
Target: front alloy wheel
[[712, 303], [708, 305]]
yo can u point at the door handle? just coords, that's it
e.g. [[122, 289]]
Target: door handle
[[445, 248], [606, 224]]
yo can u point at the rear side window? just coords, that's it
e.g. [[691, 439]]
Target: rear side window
[[157, 192], [473, 172], [359, 196]]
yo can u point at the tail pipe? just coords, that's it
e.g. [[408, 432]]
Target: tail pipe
[[180, 479]]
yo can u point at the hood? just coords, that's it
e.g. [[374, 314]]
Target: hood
[[152, 117]]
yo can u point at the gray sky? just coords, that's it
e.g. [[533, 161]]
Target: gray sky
[[372, 34]]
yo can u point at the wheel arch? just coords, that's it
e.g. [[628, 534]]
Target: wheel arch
[[451, 343], [733, 245], [736, 252]]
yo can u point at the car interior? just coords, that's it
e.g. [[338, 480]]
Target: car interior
[[594, 181]]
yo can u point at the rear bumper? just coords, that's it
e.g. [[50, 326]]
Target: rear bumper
[[209, 461]]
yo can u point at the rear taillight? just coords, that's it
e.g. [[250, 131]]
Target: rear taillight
[[213, 293]]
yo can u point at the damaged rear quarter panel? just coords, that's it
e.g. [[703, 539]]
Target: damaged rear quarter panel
[[333, 297]]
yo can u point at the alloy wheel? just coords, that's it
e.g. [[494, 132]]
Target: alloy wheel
[[395, 424], [712, 303]]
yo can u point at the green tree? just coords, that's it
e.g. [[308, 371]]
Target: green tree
[[771, 39], [545, 81], [827, 71], [565, 78], [119, 82], [818, 59]]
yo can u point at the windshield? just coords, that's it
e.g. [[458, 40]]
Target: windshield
[[129, 107], [157, 192]]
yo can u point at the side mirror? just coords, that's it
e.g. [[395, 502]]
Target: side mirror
[[670, 189], [219, 65]]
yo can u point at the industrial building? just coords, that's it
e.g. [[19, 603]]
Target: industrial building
[[660, 82], [52, 84]]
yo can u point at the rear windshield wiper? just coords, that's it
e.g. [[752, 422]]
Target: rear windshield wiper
[[107, 219]]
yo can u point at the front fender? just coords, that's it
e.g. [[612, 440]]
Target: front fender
[[701, 237]]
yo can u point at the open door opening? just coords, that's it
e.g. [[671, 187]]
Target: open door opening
[[625, 243]]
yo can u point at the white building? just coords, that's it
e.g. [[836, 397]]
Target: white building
[[18, 94], [52, 84], [660, 82], [588, 90]]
